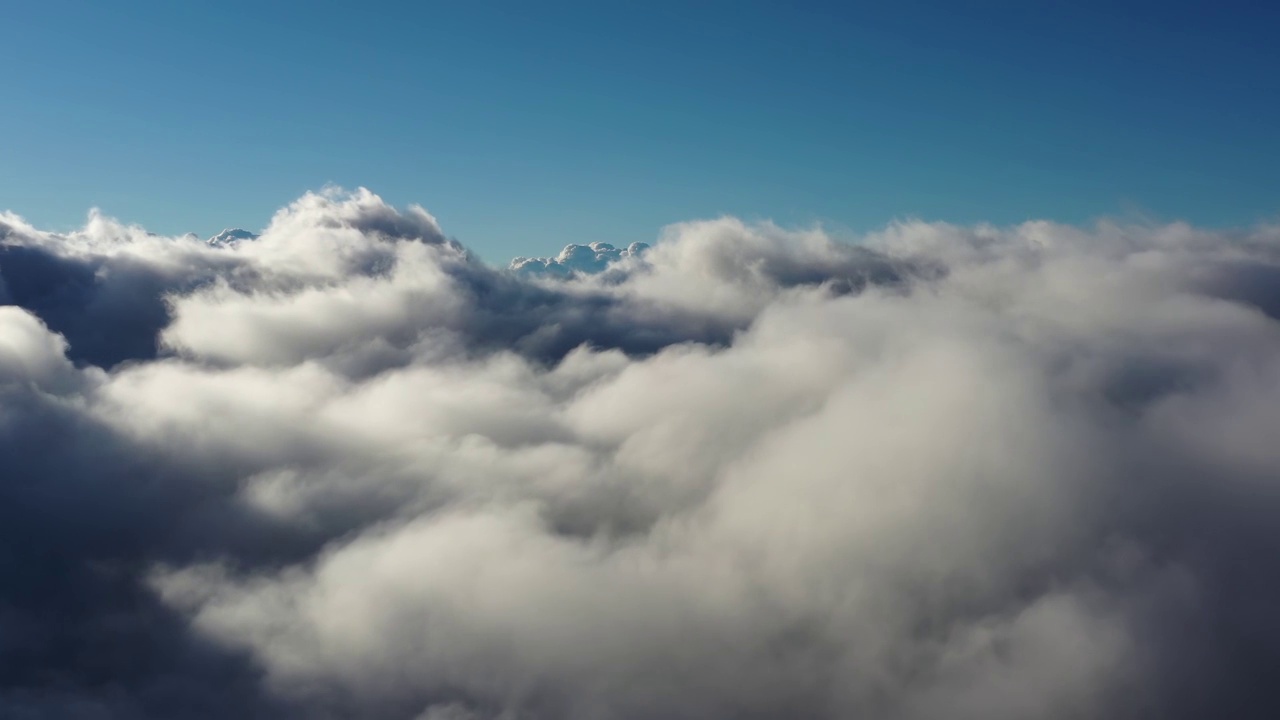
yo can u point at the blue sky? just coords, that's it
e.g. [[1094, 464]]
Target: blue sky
[[524, 126]]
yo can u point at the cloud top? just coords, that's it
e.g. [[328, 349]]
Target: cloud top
[[591, 258], [347, 470]]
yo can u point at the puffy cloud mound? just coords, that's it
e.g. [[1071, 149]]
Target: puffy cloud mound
[[592, 258], [347, 470]]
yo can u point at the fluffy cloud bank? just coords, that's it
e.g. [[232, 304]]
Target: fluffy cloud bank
[[592, 258], [346, 470]]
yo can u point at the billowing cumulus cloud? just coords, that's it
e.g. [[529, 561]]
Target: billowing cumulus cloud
[[346, 470], [592, 258]]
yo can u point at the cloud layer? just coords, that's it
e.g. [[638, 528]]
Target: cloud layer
[[346, 470]]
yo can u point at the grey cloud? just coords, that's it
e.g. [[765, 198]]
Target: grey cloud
[[102, 288], [353, 472]]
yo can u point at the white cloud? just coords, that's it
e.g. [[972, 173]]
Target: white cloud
[[755, 472], [592, 258]]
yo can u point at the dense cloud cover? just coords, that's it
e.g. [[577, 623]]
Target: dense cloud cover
[[346, 470]]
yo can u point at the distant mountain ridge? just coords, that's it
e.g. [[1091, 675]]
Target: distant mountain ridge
[[230, 236]]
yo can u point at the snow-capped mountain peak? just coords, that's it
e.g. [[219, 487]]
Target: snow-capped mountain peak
[[230, 236]]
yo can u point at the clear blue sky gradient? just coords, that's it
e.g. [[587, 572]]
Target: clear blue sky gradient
[[527, 125]]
